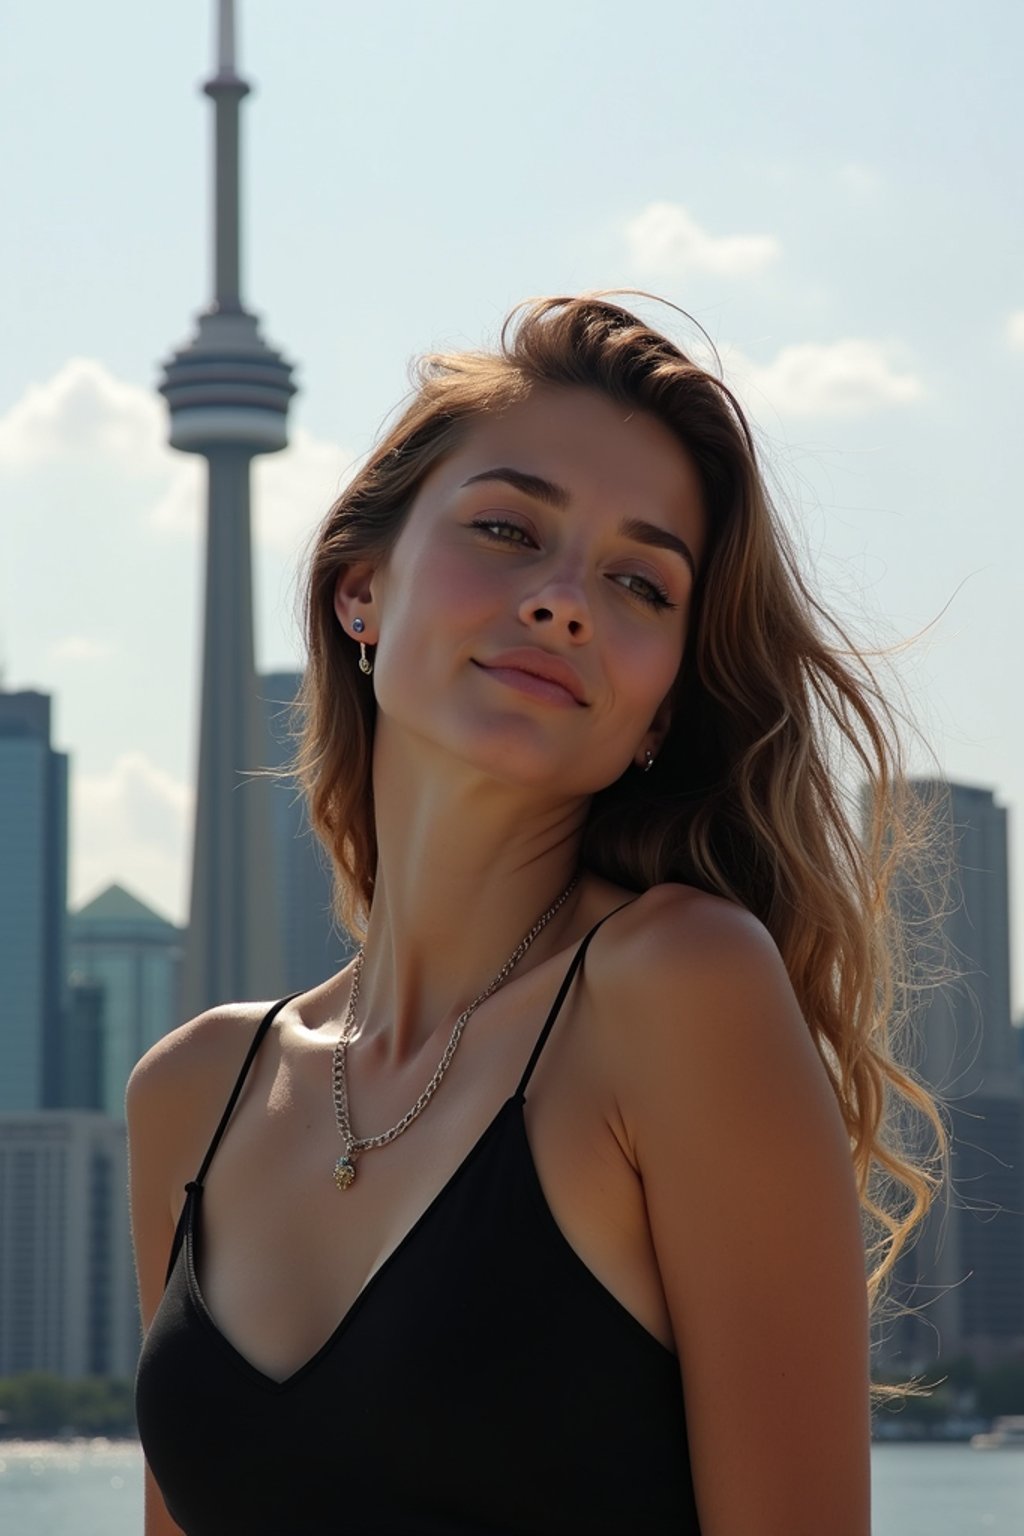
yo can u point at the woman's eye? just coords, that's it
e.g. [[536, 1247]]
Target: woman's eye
[[641, 587], [646, 590], [508, 533]]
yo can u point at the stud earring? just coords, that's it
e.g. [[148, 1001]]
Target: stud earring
[[648, 760], [358, 625]]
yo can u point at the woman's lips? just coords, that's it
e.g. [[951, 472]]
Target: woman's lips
[[537, 662], [535, 687]]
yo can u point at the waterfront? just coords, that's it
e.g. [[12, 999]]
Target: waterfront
[[81, 1488], [94, 1488]]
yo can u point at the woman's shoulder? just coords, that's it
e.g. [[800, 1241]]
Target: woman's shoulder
[[202, 1044], [690, 988], [178, 1089], [672, 926], [706, 1046]]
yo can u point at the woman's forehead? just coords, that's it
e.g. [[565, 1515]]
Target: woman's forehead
[[583, 444]]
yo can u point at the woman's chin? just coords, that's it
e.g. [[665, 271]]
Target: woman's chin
[[510, 752]]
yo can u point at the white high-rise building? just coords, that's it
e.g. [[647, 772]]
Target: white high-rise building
[[135, 956], [67, 1291]]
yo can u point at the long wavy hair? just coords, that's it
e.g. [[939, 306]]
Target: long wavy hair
[[773, 702]]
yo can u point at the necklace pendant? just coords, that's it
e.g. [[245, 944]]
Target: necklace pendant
[[344, 1171]]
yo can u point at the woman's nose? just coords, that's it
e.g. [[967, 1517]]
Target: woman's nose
[[559, 606]]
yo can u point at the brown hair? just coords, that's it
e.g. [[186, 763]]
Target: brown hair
[[745, 799]]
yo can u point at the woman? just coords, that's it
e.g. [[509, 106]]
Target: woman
[[578, 1247]]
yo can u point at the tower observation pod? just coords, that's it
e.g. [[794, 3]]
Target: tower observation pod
[[228, 394]]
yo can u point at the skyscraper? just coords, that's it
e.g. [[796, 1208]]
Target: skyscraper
[[134, 956], [33, 900], [82, 1056], [966, 1271], [67, 1294], [314, 946], [228, 395]]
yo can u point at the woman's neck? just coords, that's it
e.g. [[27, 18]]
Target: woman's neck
[[466, 866]]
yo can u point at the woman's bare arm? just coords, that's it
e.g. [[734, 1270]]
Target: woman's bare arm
[[149, 1122], [754, 1217], [175, 1097]]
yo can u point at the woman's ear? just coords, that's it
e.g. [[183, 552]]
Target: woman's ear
[[354, 599], [658, 729]]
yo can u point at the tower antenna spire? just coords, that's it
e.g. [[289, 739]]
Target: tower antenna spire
[[226, 37], [227, 90]]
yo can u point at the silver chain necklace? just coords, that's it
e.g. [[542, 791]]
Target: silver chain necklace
[[345, 1167]]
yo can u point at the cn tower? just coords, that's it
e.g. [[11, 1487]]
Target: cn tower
[[228, 395]]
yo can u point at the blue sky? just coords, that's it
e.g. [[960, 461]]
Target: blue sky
[[829, 192]]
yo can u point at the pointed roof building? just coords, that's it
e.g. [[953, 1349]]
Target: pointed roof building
[[117, 905]]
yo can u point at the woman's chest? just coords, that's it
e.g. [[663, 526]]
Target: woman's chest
[[285, 1254]]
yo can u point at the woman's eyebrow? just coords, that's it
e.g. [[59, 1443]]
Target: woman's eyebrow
[[658, 538], [634, 528], [530, 485]]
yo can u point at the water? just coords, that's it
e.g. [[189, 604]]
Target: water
[[82, 1488], [94, 1488], [946, 1490]]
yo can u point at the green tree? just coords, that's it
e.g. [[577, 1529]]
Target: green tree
[[39, 1406], [34, 1404]]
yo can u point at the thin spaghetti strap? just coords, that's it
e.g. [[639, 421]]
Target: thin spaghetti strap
[[577, 961], [265, 1024], [194, 1187]]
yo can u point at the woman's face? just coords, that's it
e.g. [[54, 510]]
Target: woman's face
[[565, 530]]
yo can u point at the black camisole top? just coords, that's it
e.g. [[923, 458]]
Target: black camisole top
[[483, 1381]]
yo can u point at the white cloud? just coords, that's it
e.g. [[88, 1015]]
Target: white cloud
[[1015, 330], [83, 411], [132, 823], [665, 238], [79, 648], [178, 510], [841, 379]]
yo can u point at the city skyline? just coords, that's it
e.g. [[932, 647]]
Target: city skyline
[[817, 230]]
